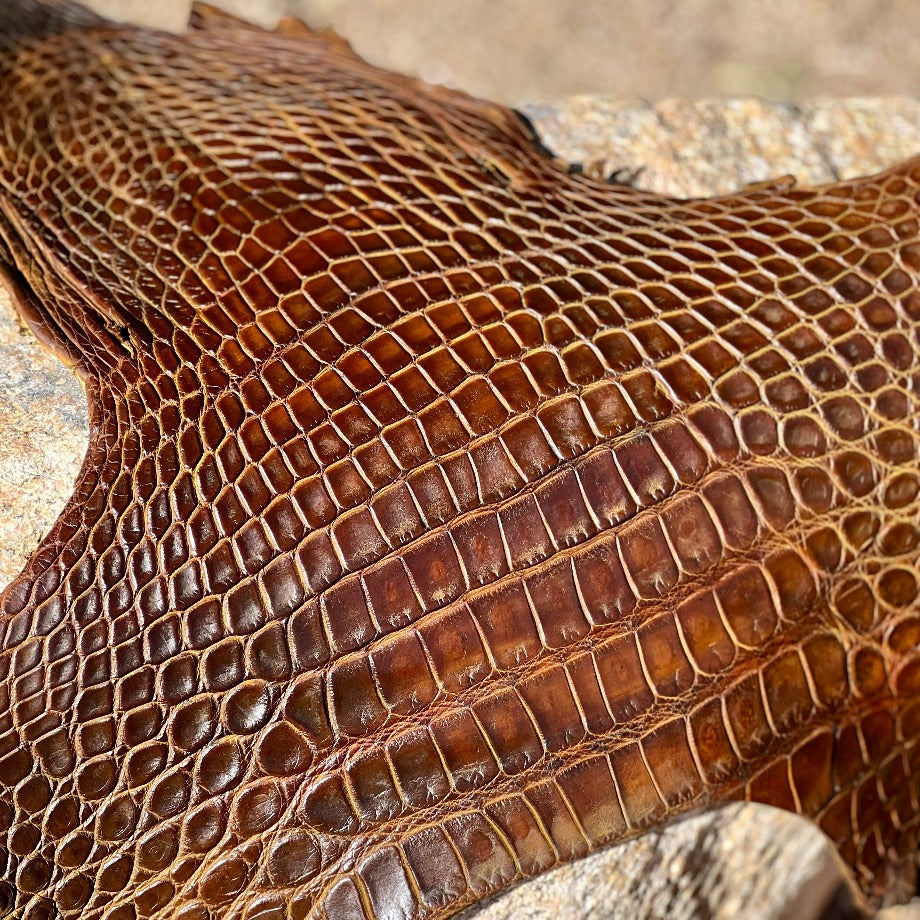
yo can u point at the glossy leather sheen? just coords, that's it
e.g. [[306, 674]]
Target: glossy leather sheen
[[446, 516]]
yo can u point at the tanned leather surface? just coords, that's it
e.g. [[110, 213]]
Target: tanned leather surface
[[446, 515]]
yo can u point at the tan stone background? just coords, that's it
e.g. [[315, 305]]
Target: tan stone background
[[530, 50]]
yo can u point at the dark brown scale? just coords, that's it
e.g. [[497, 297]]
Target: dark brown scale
[[447, 514]]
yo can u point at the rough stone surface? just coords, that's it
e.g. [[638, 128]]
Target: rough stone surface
[[43, 436], [711, 147], [725, 865]]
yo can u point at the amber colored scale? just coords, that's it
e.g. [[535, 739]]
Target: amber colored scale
[[446, 516]]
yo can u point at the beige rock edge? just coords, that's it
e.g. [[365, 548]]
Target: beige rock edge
[[743, 861]]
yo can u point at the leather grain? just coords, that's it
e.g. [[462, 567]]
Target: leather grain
[[446, 515]]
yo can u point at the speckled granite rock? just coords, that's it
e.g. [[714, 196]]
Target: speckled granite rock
[[710, 147], [740, 862], [43, 435]]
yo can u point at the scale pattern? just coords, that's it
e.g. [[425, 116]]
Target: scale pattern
[[446, 515]]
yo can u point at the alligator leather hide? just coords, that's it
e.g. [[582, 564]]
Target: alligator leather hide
[[447, 515]]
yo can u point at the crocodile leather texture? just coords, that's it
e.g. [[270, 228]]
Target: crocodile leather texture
[[447, 515]]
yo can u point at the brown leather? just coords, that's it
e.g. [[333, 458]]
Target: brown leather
[[446, 516]]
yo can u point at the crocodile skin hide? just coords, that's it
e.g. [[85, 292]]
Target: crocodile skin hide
[[446, 515]]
